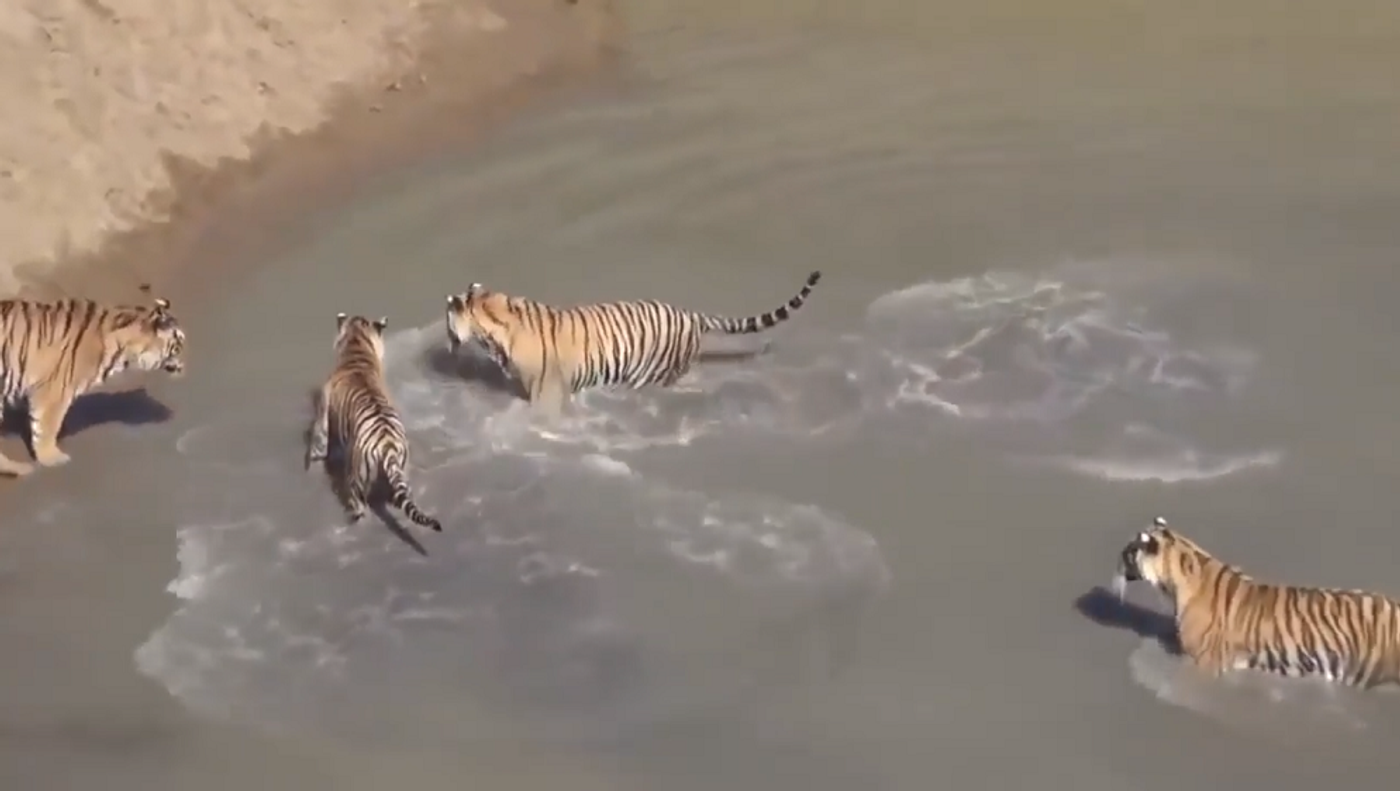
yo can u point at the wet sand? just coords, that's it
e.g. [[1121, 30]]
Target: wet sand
[[98, 722], [222, 212], [1080, 270]]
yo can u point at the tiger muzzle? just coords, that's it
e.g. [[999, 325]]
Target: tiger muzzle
[[1128, 564]]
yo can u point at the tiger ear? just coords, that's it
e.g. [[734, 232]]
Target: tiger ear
[[340, 321], [380, 324], [474, 288], [455, 301], [162, 304]]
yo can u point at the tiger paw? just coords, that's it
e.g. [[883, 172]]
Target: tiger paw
[[16, 469], [52, 457]]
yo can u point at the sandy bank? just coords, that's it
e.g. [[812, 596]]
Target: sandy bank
[[130, 114]]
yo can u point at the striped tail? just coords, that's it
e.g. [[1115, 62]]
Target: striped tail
[[402, 500], [762, 321]]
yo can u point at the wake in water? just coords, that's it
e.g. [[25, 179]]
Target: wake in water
[[1058, 370], [567, 589], [569, 586], [1072, 369], [808, 391], [1291, 711]]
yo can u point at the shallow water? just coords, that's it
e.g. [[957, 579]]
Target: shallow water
[[1070, 283]]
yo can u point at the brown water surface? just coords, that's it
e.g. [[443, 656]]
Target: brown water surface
[[1085, 264]]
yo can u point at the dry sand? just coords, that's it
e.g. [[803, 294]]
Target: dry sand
[[132, 115], [143, 135]]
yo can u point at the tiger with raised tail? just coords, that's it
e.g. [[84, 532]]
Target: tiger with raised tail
[[1228, 621], [556, 353], [53, 352], [354, 407]]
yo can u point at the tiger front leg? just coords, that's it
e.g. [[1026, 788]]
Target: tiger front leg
[[355, 500], [550, 394], [48, 406], [318, 437], [1208, 652], [12, 468]]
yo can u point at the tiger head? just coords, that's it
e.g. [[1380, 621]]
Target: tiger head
[[479, 315], [358, 331], [1163, 558], [152, 339]]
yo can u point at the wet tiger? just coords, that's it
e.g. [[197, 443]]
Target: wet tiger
[[558, 352], [1228, 621], [354, 406], [53, 352]]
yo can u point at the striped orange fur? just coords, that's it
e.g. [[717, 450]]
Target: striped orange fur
[[1229, 621], [53, 352]]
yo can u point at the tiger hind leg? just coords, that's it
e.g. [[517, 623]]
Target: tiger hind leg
[[676, 374], [47, 408], [10, 467], [355, 503], [351, 495], [318, 436]]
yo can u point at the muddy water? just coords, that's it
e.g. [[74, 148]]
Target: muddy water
[[1080, 270]]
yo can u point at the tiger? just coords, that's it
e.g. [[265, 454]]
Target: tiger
[[556, 353], [53, 352], [354, 401], [1227, 621]]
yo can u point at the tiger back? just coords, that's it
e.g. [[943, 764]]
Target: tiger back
[[53, 352], [1229, 621], [353, 407], [558, 352]]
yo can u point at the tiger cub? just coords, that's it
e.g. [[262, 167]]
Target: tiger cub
[[354, 406]]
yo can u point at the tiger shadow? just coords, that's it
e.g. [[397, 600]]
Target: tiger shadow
[[471, 365], [1104, 608], [134, 407], [333, 468]]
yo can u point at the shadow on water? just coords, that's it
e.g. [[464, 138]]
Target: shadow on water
[[474, 366], [471, 366], [334, 468], [134, 407], [1104, 608], [735, 355], [381, 509]]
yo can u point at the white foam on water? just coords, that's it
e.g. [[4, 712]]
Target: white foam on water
[[1186, 465], [800, 388], [1064, 372], [1287, 710], [561, 585], [1142, 453]]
